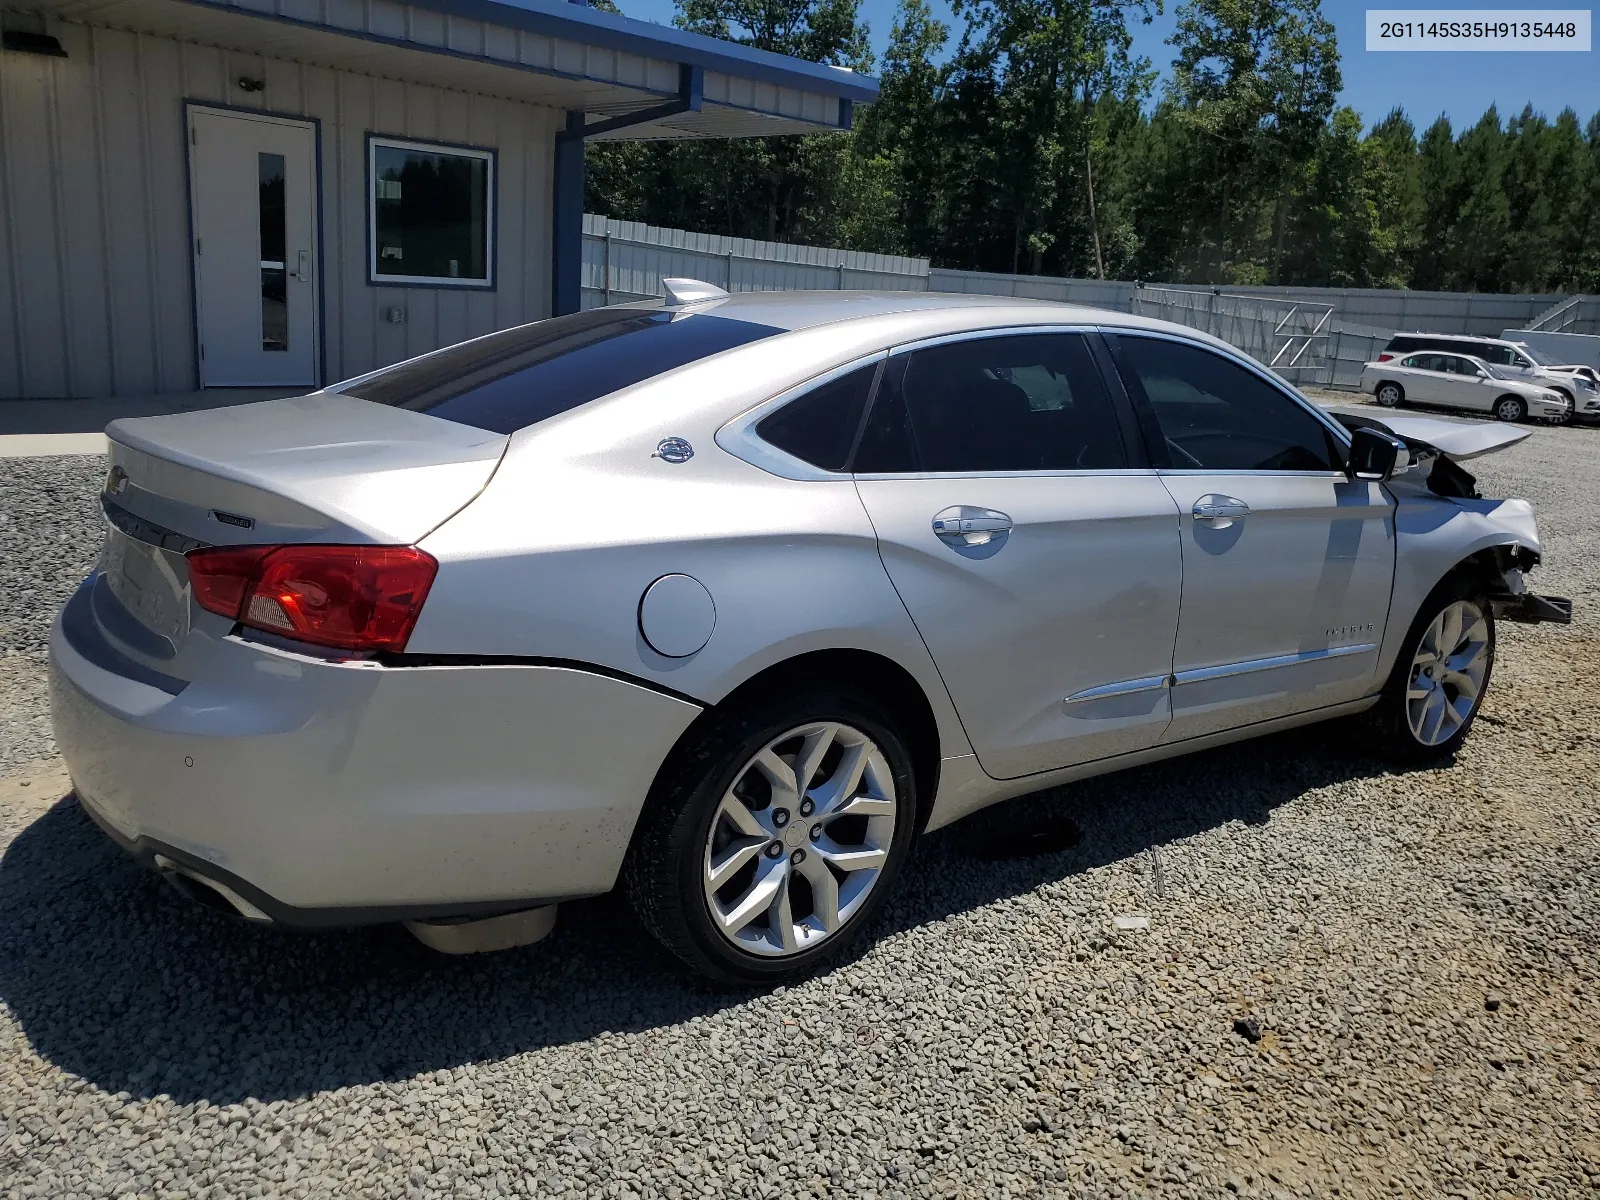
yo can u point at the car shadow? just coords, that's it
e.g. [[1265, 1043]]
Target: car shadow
[[117, 979]]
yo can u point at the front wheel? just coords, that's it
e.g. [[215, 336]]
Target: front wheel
[[1510, 408], [774, 836], [1440, 677]]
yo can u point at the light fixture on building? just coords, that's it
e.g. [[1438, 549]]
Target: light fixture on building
[[25, 41], [246, 84]]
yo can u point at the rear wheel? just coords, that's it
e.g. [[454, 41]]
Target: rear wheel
[[773, 839], [1510, 408], [1389, 395], [1440, 677]]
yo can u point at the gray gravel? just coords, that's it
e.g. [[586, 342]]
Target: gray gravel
[[49, 535], [1353, 982]]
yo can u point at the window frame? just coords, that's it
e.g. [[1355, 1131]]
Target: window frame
[[740, 439], [1116, 395], [1156, 440], [491, 218]]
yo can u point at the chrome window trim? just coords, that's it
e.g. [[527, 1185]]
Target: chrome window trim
[[1251, 665], [739, 438], [967, 335], [1100, 473], [1254, 474], [1341, 434]]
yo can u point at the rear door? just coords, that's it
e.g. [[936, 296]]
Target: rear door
[[1422, 379], [1463, 385], [1287, 563], [1034, 549]]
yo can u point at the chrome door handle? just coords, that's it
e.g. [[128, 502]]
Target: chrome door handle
[[1219, 511], [968, 526]]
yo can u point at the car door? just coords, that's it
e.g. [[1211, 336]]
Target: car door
[[1466, 385], [1424, 381], [1035, 550], [1287, 563]]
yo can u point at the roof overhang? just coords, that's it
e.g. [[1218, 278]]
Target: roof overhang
[[549, 52]]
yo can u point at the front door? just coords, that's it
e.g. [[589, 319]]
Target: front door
[[1042, 572], [253, 198], [1287, 563]]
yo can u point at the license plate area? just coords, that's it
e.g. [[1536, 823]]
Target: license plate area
[[151, 583]]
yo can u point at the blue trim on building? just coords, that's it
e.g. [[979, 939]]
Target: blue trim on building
[[581, 23], [566, 220]]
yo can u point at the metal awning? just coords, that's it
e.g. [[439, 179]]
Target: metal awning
[[563, 55]]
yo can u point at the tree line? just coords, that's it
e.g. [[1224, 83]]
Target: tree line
[[1038, 142]]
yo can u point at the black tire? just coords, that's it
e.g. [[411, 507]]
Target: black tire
[[1391, 715], [1566, 418], [1511, 409], [1390, 395], [664, 872]]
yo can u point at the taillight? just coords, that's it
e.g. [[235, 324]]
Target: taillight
[[1385, 357], [350, 597]]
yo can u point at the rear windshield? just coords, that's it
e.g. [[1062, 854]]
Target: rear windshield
[[510, 380]]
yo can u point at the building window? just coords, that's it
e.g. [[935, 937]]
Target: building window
[[431, 214]]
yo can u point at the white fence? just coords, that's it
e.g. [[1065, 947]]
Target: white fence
[[1311, 335]]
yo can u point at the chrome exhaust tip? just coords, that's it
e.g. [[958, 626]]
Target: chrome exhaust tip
[[466, 935], [208, 892]]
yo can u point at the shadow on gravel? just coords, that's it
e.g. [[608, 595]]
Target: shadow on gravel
[[115, 978]]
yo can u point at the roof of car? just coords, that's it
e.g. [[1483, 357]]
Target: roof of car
[[1461, 337], [805, 310]]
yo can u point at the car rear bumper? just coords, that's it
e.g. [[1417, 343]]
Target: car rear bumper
[[347, 793]]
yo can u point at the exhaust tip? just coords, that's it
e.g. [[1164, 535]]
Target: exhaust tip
[[463, 935], [208, 892]]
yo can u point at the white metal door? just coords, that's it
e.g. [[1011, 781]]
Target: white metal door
[[253, 200]]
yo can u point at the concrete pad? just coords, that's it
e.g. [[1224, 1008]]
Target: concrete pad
[[43, 445], [92, 416]]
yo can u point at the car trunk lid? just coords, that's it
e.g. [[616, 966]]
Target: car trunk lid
[[317, 468]]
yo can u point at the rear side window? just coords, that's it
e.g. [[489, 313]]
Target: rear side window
[[820, 427], [519, 377], [1023, 402], [1401, 345], [1215, 415]]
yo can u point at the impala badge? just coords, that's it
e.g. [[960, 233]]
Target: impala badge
[[673, 450]]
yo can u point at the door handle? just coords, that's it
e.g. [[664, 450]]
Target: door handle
[[303, 265], [1219, 511], [968, 526]]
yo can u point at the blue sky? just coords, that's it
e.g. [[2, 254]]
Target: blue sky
[[1424, 84]]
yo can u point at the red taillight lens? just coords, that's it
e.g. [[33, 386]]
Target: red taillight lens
[[1385, 357], [351, 597]]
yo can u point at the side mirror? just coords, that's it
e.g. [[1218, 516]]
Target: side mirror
[[1375, 455]]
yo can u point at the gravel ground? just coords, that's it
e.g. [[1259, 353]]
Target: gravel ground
[[1354, 982]]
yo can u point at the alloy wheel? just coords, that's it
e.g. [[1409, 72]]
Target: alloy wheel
[[1389, 396], [800, 839], [1509, 410], [1447, 673]]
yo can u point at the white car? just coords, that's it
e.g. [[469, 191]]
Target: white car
[[1442, 380], [728, 600]]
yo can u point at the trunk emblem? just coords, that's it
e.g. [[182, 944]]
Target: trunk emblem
[[673, 450], [231, 519], [116, 480]]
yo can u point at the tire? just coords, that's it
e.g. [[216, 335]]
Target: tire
[[1390, 395], [1565, 419], [1427, 721], [1510, 408], [692, 822]]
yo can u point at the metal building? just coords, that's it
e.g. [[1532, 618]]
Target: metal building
[[202, 193]]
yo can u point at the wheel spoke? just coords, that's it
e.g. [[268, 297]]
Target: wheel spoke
[[1417, 691], [734, 811], [732, 859], [851, 858], [761, 897], [1449, 630], [780, 917], [846, 778], [780, 775], [1433, 717], [1466, 686], [865, 805], [824, 891], [812, 751]]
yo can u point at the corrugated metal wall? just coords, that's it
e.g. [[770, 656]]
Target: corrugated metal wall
[[95, 298], [627, 260]]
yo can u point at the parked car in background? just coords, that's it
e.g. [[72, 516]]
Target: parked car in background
[[1461, 381], [1521, 360], [727, 600]]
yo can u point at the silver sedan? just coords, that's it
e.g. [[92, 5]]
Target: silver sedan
[[727, 599]]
